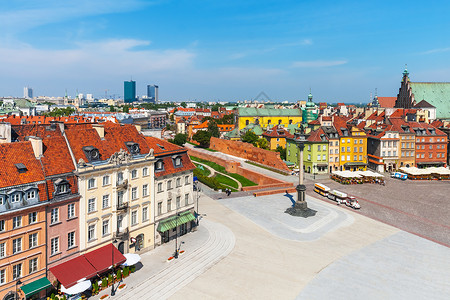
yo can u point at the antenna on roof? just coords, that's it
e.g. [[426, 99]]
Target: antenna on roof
[[376, 92]]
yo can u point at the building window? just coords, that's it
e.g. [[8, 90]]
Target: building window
[[309, 156], [318, 147], [318, 156], [134, 193], [2, 225], [17, 271], [309, 147], [71, 211], [342, 157], [15, 198], [360, 149], [91, 183], [169, 184], [145, 190], [186, 180], [31, 194], [2, 250], [394, 153], [422, 155], [178, 182], [119, 221], [91, 205], [186, 199], [159, 208], [134, 218], [324, 157], [348, 141], [178, 201], [348, 149], [160, 187], [105, 180], [105, 227], [360, 157], [71, 240], [145, 172], [431, 155], [105, 201], [177, 161], [33, 265], [120, 197], [54, 245], [355, 149], [431, 147], [348, 157], [17, 245], [134, 174], [54, 215], [119, 178], [63, 188], [169, 205], [418, 156], [17, 222], [91, 232], [32, 217], [159, 165], [33, 240], [354, 157], [145, 213], [2, 276]]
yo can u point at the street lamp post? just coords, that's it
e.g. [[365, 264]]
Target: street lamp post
[[113, 292], [198, 198], [176, 236], [17, 293]]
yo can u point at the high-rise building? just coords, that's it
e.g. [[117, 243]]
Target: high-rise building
[[129, 91], [152, 93], [27, 92]]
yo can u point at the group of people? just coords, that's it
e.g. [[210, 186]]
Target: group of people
[[228, 192]]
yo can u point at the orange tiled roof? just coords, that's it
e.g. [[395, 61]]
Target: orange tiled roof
[[315, 136], [15, 120], [56, 157], [387, 102], [15, 153], [278, 132]]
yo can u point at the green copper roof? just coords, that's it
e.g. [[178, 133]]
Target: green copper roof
[[253, 127], [233, 133], [267, 112], [435, 93]]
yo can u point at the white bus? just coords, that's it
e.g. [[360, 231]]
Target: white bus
[[321, 189], [337, 196]]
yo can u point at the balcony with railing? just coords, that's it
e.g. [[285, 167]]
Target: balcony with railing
[[122, 184], [122, 234]]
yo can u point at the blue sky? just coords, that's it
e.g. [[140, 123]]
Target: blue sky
[[222, 50]]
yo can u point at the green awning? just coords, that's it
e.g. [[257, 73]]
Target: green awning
[[36, 286], [172, 222]]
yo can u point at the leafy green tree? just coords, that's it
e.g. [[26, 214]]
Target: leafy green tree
[[213, 129], [282, 152], [215, 107], [202, 137], [180, 139], [126, 109], [249, 137], [112, 108], [183, 104], [60, 112], [262, 143]]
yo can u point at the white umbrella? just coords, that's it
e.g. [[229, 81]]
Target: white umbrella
[[132, 259], [77, 288]]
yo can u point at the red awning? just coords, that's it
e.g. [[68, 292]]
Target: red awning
[[101, 258], [69, 272]]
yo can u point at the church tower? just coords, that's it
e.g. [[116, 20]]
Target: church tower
[[405, 98]]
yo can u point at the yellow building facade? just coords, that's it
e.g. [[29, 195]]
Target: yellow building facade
[[353, 149], [268, 117]]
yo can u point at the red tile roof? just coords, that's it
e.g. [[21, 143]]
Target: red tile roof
[[387, 102], [56, 157], [278, 132], [115, 138], [16, 120], [15, 153], [315, 136]]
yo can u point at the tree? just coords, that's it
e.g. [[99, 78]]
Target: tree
[[282, 152], [60, 112], [183, 104], [112, 108], [213, 129], [215, 107], [126, 109], [202, 137], [250, 137], [180, 139], [262, 143]]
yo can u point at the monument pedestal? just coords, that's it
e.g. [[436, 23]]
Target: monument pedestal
[[300, 208]]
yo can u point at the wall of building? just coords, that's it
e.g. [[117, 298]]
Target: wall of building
[[249, 152]]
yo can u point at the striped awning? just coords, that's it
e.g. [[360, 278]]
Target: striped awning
[[175, 221]]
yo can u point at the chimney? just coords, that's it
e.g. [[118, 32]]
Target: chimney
[[100, 130], [38, 147], [5, 133]]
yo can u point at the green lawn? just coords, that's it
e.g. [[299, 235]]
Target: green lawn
[[203, 170], [244, 181], [227, 181]]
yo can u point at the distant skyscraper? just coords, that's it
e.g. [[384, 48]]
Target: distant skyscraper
[[27, 92], [129, 91], [152, 93]]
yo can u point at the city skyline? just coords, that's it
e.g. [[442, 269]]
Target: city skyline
[[222, 51]]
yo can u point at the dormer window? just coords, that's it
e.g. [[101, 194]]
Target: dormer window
[[15, 197], [21, 168], [2, 199], [31, 194], [61, 187], [91, 153], [159, 166], [177, 161], [160, 146], [133, 147]]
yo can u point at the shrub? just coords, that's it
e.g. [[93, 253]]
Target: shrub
[[126, 271], [110, 278], [132, 269], [209, 181], [119, 274], [104, 282], [52, 296], [95, 287]]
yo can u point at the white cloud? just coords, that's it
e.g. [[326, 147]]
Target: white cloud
[[437, 50], [318, 63]]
